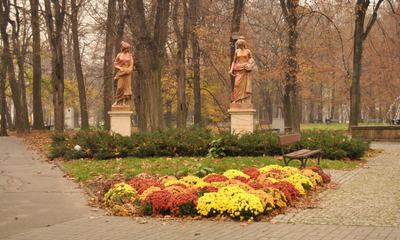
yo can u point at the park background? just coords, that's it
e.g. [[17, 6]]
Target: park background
[[58, 55]]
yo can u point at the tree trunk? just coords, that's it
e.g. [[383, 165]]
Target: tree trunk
[[9, 66], [333, 105], [119, 35], [3, 103], [238, 6], [194, 6], [38, 121], [78, 67], [359, 36], [20, 50], [182, 42], [108, 63], [290, 99], [321, 104], [149, 59], [54, 30]]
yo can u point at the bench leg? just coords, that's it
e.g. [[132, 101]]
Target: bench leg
[[303, 163], [285, 161]]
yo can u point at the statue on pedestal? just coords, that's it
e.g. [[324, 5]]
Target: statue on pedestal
[[241, 68], [124, 64]]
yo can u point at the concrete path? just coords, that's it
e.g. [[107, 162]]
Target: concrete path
[[33, 193], [37, 203]]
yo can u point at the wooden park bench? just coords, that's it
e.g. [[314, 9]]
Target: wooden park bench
[[223, 126], [301, 154]]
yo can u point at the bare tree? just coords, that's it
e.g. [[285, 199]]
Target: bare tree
[[78, 66], [38, 122], [108, 62], [54, 30], [3, 103], [360, 34], [9, 65], [182, 44], [290, 10], [20, 45], [149, 51], [194, 12], [238, 6]]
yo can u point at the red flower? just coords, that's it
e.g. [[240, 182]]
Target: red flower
[[287, 188], [253, 173], [158, 201], [215, 178], [183, 203], [255, 185], [140, 185], [242, 179]]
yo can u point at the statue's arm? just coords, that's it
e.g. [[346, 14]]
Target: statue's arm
[[251, 59], [116, 62], [233, 64]]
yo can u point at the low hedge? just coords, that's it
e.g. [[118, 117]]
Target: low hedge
[[190, 141]]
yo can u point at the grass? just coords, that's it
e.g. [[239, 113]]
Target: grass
[[89, 170], [323, 126]]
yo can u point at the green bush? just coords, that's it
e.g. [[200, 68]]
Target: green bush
[[191, 141], [334, 144]]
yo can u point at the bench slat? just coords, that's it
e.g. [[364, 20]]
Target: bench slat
[[308, 154], [297, 153], [291, 138], [301, 154]]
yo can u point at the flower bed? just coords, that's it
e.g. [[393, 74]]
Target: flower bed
[[242, 195]]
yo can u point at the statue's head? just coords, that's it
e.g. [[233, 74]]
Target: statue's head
[[241, 42], [125, 45]]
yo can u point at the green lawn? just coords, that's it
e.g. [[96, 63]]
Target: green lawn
[[88, 170]]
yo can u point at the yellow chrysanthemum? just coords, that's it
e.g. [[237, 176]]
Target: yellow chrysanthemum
[[231, 173], [191, 181], [269, 168], [247, 205]]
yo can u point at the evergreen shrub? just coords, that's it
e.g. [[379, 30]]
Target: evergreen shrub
[[192, 142]]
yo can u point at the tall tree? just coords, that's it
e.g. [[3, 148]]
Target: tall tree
[[9, 65], [360, 34], [120, 15], [54, 30], [38, 121], [290, 10], [194, 12], [149, 51], [20, 46], [3, 103], [238, 6], [108, 62], [182, 44], [78, 66]]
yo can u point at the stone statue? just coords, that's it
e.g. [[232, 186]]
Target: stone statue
[[241, 68], [124, 66]]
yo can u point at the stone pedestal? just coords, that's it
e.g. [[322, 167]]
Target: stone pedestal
[[120, 119], [242, 116]]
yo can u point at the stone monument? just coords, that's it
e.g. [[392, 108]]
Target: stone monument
[[241, 108], [69, 118], [120, 114]]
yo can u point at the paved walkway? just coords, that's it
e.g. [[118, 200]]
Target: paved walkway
[[37, 203]]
